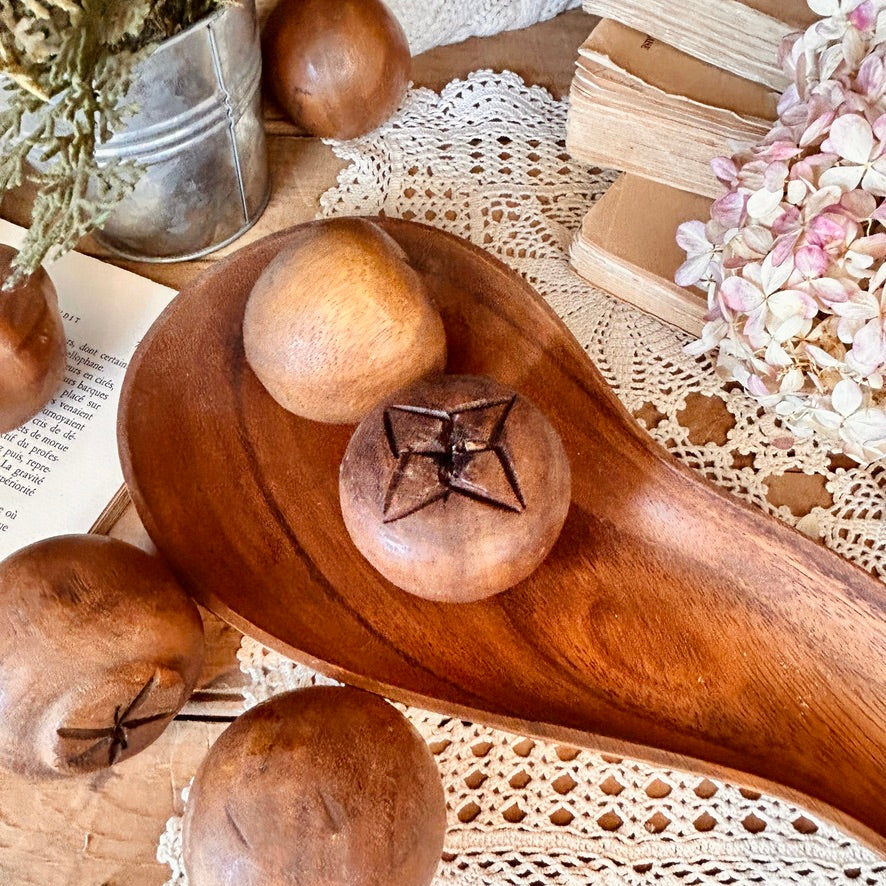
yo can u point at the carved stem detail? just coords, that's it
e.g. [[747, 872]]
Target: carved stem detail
[[460, 451]]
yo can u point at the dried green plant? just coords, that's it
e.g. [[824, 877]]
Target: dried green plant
[[65, 69]]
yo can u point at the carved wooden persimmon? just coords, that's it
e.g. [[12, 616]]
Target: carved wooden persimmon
[[326, 785], [99, 648], [339, 321], [455, 489], [33, 349], [339, 68]]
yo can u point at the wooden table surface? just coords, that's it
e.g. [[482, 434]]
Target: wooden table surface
[[103, 831]]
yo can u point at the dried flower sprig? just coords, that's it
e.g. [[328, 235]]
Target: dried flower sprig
[[65, 69], [793, 258]]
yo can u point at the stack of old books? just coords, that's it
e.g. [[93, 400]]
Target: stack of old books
[[660, 89]]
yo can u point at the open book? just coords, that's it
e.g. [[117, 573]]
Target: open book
[[741, 36], [644, 107], [60, 473], [626, 246]]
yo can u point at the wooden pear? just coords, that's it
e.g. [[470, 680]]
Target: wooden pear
[[32, 345], [99, 649]]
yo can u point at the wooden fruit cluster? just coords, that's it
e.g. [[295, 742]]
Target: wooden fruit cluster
[[100, 648], [617, 638], [454, 487]]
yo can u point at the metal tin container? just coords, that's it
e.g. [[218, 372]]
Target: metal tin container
[[198, 135]]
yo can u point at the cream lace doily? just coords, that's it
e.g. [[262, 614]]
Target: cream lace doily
[[438, 22], [486, 159]]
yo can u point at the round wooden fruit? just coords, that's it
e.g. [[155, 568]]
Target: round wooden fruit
[[339, 68], [33, 349], [455, 489], [339, 321], [99, 648], [327, 786]]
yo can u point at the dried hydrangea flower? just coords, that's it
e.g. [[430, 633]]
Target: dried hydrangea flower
[[793, 260]]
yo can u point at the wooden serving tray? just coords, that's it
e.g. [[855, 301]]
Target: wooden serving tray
[[670, 621]]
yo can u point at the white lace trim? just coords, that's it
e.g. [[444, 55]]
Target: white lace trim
[[438, 22]]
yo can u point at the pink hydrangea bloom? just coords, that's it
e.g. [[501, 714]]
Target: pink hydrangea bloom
[[861, 147], [793, 260], [698, 241]]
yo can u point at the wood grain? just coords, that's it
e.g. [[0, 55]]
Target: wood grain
[[105, 832], [342, 291], [670, 620], [102, 829], [350, 785], [32, 344], [303, 168], [455, 489], [82, 689], [339, 68]]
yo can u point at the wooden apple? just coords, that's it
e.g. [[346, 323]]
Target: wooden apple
[[327, 786], [339, 320], [455, 488], [33, 347], [339, 68], [99, 648]]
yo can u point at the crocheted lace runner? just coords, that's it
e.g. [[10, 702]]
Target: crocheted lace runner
[[486, 159]]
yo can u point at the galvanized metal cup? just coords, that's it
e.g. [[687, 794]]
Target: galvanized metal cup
[[199, 137]]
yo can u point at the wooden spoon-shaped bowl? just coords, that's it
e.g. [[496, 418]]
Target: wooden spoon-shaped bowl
[[670, 621]]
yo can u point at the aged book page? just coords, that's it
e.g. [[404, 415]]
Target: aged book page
[[682, 77], [741, 36], [59, 471]]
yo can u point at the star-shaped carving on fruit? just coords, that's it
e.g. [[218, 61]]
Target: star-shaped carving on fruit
[[117, 733], [444, 452]]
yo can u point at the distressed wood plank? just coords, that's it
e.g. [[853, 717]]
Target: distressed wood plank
[[103, 829]]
